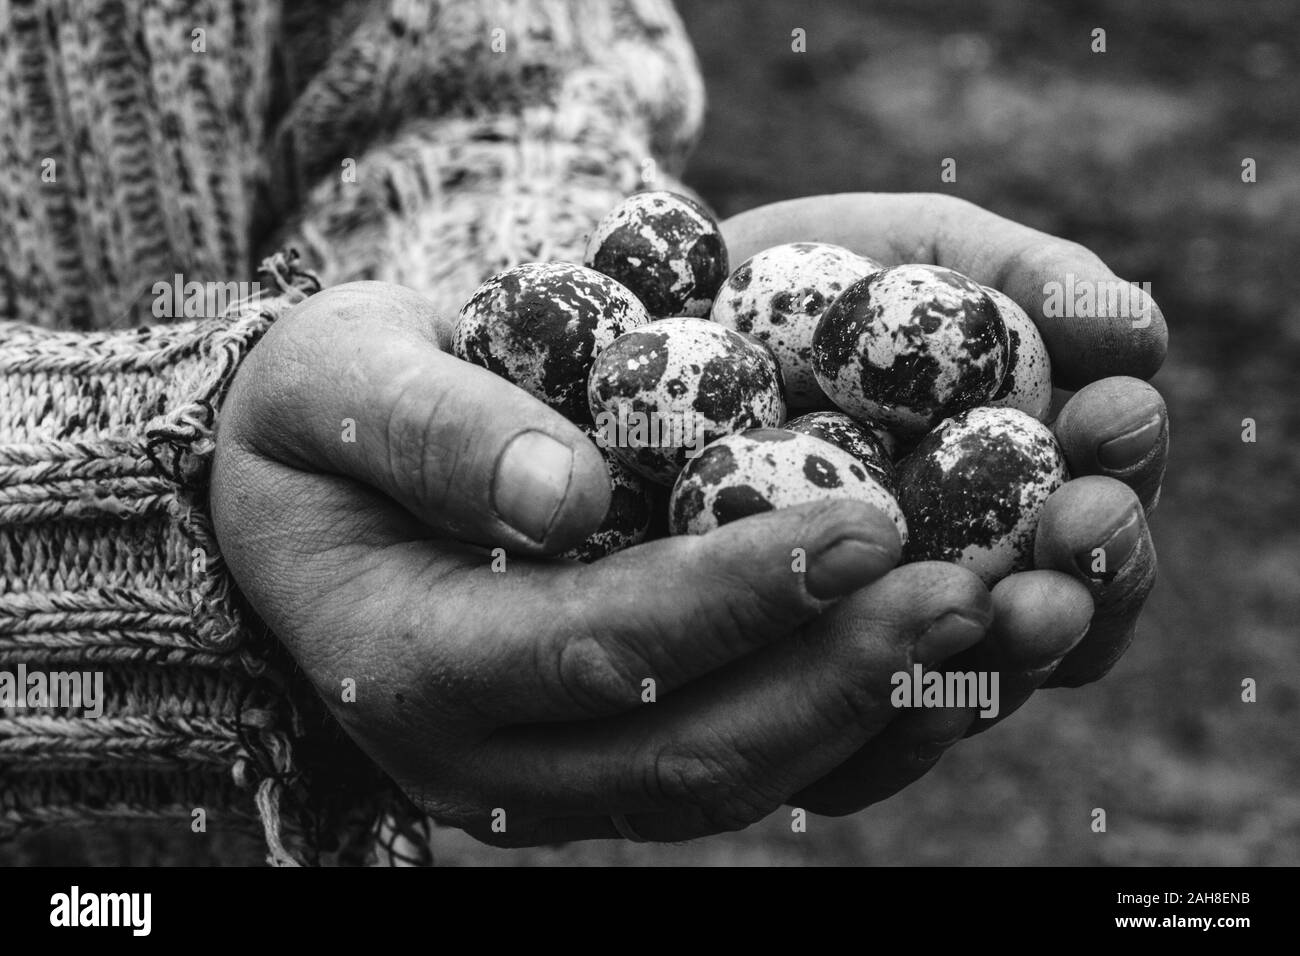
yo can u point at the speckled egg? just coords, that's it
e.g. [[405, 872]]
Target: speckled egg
[[766, 468], [667, 389], [540, 325], [779, 296], [631, 508], [973, 490], [853, 437], [910, 346], [666, 248], [1028, 382]]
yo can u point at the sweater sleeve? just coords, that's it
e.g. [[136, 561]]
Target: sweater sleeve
[[440, 143], [109, 570]]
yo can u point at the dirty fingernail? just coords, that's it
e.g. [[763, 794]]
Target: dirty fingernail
[[1102, 562], [1132, 446]]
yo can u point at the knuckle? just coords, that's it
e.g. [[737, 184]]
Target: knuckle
[[949, 212], [734, 617], [734, 612], [719, 793], [941, 215], [857, 702], [591, 679], [415, 436], [743, 599], [1072, 251], [1023, 260]]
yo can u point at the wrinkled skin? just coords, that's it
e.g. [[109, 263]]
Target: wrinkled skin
[[523, 690]]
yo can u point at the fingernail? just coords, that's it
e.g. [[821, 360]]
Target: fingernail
[[1116, 549], [531, 482], [845, 566], [1132, 446], [951, 633]]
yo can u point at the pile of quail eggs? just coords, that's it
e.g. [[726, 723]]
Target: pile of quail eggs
[[808, 372]]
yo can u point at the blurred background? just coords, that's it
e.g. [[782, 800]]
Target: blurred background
[[1136, 153]]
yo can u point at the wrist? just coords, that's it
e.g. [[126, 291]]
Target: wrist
[[108, 566]]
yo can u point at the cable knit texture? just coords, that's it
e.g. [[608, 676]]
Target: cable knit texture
[[413, 141]]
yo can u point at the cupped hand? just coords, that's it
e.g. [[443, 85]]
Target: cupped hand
[[1069, 620], [364, 478]]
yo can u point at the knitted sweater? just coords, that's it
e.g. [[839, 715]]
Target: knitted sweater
[[173, 141]]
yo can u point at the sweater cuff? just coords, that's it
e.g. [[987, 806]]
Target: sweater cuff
[[110, 570]]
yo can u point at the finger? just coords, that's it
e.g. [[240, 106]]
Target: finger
[[720, 754], [656, 616], [455, 631], [1038, 616], [1094, 530], [1026, 264], [1117, 427], [352, 382], [902, 753]]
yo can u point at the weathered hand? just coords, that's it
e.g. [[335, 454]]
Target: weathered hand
[[524, 691], [1059, 624]]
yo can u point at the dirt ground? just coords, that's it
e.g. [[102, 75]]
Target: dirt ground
[[1136, 153]]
